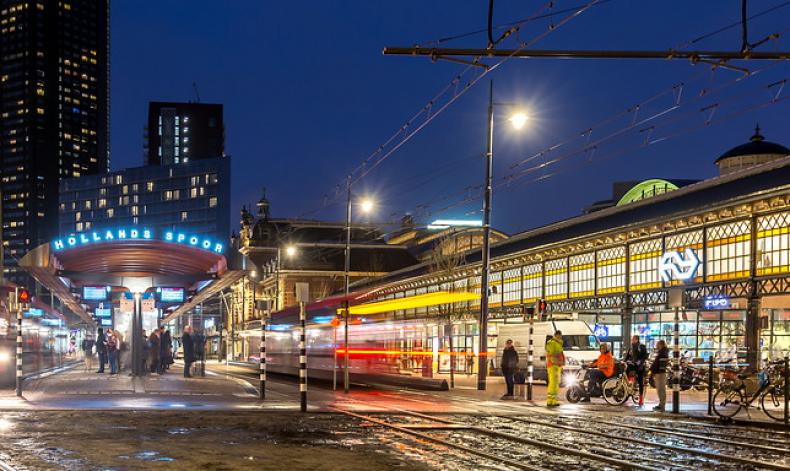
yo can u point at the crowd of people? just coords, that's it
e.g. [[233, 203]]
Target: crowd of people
[[157, 348], [636, 359]]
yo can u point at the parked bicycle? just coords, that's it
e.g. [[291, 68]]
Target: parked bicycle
[[618, 389], [732, 395]]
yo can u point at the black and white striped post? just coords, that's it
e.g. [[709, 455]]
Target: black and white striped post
[[676, 363], [530, 351], [19, 345], [302, 359], [264, 319]]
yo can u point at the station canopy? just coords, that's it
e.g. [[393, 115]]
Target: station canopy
[[131, 259]]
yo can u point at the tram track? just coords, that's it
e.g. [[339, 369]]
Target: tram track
[[586, 460]]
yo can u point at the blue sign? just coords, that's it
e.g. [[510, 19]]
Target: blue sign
[[716, 302], [103, 312], [112, 235], [171, 295], [95, 293], [34, 312], [601, 331]]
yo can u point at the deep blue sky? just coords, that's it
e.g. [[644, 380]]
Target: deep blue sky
[[308, 95]]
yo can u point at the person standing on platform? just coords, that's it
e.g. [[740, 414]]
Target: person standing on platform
[[87, 351], [112, 351], [153, 352], [189, 351], [166, 349], [101, 349], [555, 360], [509, 366], [658, 370]]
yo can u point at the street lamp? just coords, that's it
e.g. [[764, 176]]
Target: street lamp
[[518, 120], [366, 205]]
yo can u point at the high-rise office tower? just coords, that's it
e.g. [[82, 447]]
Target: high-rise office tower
[[54, 110], [183, 132]]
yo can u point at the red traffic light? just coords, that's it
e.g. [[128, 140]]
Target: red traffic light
[[23, 296], [542, 306]]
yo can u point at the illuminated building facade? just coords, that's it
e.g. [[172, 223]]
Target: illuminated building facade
[[183, 132], [54, 119]]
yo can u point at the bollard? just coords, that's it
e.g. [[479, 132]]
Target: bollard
[[787, 391], [263, 356], [302, 360], [710, 385], [676, 364], [19, 349], [529, 358]]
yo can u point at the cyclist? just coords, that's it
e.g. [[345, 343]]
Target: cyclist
[[635, 359], [605, 369]]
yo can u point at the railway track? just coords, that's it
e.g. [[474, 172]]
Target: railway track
[[516, 442]]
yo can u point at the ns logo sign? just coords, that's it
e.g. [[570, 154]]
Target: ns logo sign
[[678, 266]]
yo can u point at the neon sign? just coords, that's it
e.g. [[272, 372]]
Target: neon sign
[[674, 265], [112, 235], [716, 302]]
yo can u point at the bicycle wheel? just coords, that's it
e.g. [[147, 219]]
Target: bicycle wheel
[[773, 403], [727, 403], [614, 392]]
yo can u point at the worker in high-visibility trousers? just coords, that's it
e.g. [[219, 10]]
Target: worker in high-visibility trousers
[[555, 360]]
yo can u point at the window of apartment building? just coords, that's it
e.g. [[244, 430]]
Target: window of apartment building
[[193, 192], [78, 227], [135, 210], [110, 212], [101, 202], [184, 215], [118, 179], [194, 180], [78, 216], [125, 189], [135, 188], [88, 204], [149, 186], [212, 202]]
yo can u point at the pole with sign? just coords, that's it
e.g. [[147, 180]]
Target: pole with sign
[[22, 298], [302, 295], [675, 298]]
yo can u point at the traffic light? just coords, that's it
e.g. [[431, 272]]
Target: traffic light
[[541, 304], [23, 296]]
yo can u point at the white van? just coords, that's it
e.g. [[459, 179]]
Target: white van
[[580, 344]]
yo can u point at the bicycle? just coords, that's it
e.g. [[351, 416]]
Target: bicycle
[[617, 390], [731, 396]]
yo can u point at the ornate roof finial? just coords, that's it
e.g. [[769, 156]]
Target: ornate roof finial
[[263, 206], [757, 136]]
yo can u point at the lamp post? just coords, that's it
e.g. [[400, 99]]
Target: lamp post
[[518, 120], [366, 205]]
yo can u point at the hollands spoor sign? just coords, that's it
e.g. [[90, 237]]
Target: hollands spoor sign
[[114, 235]]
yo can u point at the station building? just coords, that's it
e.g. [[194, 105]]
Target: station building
[[724, 241]]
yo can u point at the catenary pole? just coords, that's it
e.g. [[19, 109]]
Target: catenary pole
[[346, 270], [264, 318], [530, 357], [19, 346], [302, 360], [676, 363], [482, 361]]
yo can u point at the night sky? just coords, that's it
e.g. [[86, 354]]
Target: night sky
[[308, 95]]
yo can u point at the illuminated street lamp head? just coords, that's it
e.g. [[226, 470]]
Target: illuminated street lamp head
[[366, 205], [290, 251], [518, 120]]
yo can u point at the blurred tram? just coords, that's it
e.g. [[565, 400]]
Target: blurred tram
[[382, 350]]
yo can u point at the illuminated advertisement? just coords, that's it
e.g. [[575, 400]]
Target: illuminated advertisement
[[114, 235], [106, 312], [95, 293], [171, 295]]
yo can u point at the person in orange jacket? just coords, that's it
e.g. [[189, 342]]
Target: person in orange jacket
[[605, 369]]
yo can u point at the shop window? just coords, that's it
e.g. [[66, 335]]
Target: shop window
[[511, 286], [775, 336], [557, 279], [643, 262], [582, 275], [773, 244], [727, 251], [610, 270]]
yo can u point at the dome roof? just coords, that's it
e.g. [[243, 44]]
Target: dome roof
[[757, 145]]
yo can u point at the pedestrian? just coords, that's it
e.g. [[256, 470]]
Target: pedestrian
[[166, 349], [658, 370], [509, 366], [635, 358], [112, 351], [101, 349], [153, 352], [146, 351], [555, 360], [87, 351], [189, 351]]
